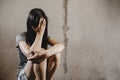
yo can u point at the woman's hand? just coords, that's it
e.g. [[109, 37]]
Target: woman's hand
[[41, 26], [38, 57]]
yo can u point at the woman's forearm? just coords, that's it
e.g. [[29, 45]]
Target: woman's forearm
[[55, 49], [36, 43], [38, 40]]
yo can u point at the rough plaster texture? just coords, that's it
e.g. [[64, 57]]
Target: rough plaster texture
[[93, 48], [65, 29]]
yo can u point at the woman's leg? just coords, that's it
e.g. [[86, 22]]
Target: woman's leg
[[40, 70], [52, 65], [28, 70]]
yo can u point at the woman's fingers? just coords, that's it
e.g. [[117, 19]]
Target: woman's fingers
[[42, 25], [35, 54], [44, 22], [41, 22], [38, 56], [32, 57], [37, 59]]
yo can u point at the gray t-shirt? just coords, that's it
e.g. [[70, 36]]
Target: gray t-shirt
[[22, 37]]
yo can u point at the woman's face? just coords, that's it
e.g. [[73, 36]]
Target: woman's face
[[37, 29]]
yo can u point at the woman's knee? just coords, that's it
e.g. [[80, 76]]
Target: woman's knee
[[57, 57]]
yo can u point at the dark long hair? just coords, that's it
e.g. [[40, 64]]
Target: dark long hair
[[33, 20]]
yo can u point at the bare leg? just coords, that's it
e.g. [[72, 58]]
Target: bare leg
[[52, 65], [28, 69], [40, 70], [37, 71]]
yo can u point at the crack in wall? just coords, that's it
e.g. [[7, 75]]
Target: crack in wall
[[65, 28]]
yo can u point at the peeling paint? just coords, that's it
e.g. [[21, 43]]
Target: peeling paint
[[65, 28]]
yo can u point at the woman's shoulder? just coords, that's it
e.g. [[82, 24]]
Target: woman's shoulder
[[22, 34], [20, 37]]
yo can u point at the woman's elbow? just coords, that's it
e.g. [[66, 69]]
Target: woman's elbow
[[61, 47]]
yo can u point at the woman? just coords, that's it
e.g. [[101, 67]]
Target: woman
[[36, 61]]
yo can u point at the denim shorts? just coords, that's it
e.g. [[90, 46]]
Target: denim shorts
[[21, 73]]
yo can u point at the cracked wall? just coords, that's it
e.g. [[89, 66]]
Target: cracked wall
[[65, 28], [92, 42]]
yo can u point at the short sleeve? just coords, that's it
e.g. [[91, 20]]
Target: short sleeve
[[48, 37], [19, 37]]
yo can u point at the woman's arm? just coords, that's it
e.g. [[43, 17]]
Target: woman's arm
[[26, 49], [36, 46], [56, 47]]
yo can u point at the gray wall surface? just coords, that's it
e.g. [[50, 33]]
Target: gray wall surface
[[90, 30]]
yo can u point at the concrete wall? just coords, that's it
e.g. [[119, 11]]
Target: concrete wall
[[92, 40]]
